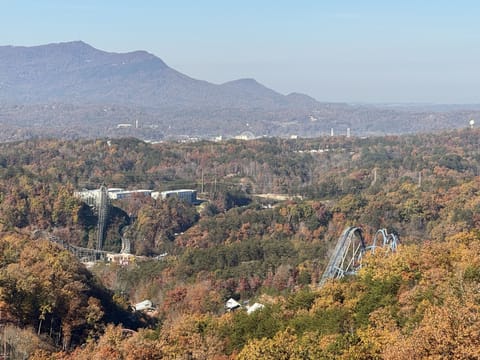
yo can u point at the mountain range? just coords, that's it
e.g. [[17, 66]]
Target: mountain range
[[74, 90], [75, 72]]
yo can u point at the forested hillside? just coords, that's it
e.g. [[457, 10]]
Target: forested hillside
[[271, 212]]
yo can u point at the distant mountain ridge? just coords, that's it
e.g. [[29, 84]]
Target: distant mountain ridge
[[72, 90], [75, 72]]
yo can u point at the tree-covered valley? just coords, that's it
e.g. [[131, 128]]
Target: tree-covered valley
[[270, 213]]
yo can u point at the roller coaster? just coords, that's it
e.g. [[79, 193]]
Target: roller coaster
[[346, 258], [82, 253], [98, 200]]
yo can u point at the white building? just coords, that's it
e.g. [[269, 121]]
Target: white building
[[232, 304], [144, 305], [121, 259], [188, 195], [254, 307], [92, 197], [125, 194]]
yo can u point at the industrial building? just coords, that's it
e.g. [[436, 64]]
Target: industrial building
[[188, 195], [125, 194], [92, 197]]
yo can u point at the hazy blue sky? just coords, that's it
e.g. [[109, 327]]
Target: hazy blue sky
[[351, 50]]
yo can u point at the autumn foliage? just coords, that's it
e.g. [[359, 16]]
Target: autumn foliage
[[244, 243]]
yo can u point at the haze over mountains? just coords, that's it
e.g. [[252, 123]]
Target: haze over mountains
[[77, 73], [74, 90]]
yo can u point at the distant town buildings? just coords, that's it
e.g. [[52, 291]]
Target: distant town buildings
[[135, 125], [246, 135]]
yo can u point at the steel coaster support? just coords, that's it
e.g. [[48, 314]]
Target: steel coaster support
[[346, 258], [102, 206]]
